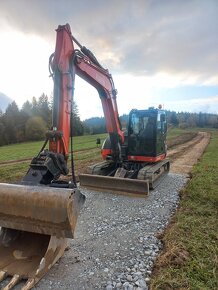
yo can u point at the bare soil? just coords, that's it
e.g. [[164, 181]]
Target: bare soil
[[181, 139], [184, 156]]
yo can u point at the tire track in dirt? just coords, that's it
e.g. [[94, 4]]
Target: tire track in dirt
[[85, 150], [184, 156]]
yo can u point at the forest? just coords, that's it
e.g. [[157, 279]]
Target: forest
[[31, 122]]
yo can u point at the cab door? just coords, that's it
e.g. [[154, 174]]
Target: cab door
[[142, 133]]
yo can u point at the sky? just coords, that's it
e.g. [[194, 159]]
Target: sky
[[158, 52]]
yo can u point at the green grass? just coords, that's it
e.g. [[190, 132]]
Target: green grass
[[13, 172], [175, 132], [19, 151], [191, 249], [30, 149]]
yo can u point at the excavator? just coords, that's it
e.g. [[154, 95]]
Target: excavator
[[142, 162], [38, 215]]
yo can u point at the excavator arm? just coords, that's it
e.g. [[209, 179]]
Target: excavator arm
[[64, 64], [67, 62]]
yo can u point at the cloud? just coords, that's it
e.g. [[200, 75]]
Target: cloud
[[135, 37], [195, 105]]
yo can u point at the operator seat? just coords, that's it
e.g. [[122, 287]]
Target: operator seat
[[146, 142]]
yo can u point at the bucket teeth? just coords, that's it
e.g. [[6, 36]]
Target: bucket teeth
[[15, 279], [28, 256], [3, 275], [29, 284]]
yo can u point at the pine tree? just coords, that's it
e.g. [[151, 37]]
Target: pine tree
[[174, 120], [13, 132], [44, 109], [77, 126]]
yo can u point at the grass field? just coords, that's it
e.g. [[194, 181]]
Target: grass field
[[30, 149], [14, 172], [190, 257]]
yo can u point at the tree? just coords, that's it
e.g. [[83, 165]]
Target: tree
[[35, 129], [201, 120], [12, 123], [24, 115], [44, 109], [95, 125], [2, 133], [191, 120], [27, 108], [77, 125], [174, 120], [35, 110]]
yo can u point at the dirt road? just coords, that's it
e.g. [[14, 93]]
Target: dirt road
[[184, 156]]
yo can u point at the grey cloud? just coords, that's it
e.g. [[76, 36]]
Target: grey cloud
[[147, 36]]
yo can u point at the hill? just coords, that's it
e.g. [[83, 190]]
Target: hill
[[4, 101]]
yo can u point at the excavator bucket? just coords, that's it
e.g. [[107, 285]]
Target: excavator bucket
[[40, 209], [119, 185], [36, 222]]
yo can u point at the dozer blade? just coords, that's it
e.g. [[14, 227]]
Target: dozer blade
[[40, 209], [119, 185], [29, 256]]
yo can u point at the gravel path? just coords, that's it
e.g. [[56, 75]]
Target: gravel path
[[115, 242]]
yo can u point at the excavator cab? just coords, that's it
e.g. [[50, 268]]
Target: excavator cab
[[145, 138], [147, 133]]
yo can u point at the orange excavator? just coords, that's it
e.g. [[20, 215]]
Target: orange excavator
[[38, 215]]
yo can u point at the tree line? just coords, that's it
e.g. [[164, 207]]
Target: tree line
[[188, 120], [31, 122], [182, 120]]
